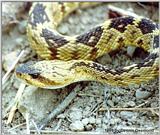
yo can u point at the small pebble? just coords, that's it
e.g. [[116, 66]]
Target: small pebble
[[17, 83], [84, 21], [133, 119], [92, 120], [71, 20], [100, 130], [131, 104], [19, 41], [86, 111], [77, 126], [105, 59], [9, 59], [76, 114], [119, 127], [130, 50], [110, 103], [105, 126], [88, 127], [127, 114], [85, 121], [115, 121], [63, 29], [142, 94], [105, 120], [98, 121], [154, 104], [22, 27]]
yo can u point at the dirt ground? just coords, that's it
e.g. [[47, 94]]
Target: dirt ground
[[97, 108]]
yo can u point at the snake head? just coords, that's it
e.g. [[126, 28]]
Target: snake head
[[46, 74]]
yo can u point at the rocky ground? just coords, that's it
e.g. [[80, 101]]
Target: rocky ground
[[96, 108]]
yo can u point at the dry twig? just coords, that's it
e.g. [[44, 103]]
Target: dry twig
[[16, 101], [131, 109], [37, 129], [6, 76], [27, 123], [122, 11]]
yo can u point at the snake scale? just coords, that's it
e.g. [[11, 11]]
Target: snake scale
[[69, 59]]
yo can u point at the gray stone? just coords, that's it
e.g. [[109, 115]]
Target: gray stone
[[71, 20], [76, 114], [85, 121], [100, 130], [63, 29], [115, 121], [92, 120], [19, 41], [110, 103], [9, 60], [22, 27], [131, 104], [77, 126], [142, 94], [105, 59], [88, 127], [130, 50], [106, 120], [127, 114], [98, 121]]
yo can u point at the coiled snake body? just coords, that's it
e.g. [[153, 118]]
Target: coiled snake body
[[70, 59]]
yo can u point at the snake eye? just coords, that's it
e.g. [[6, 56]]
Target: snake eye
[[34, 76]]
